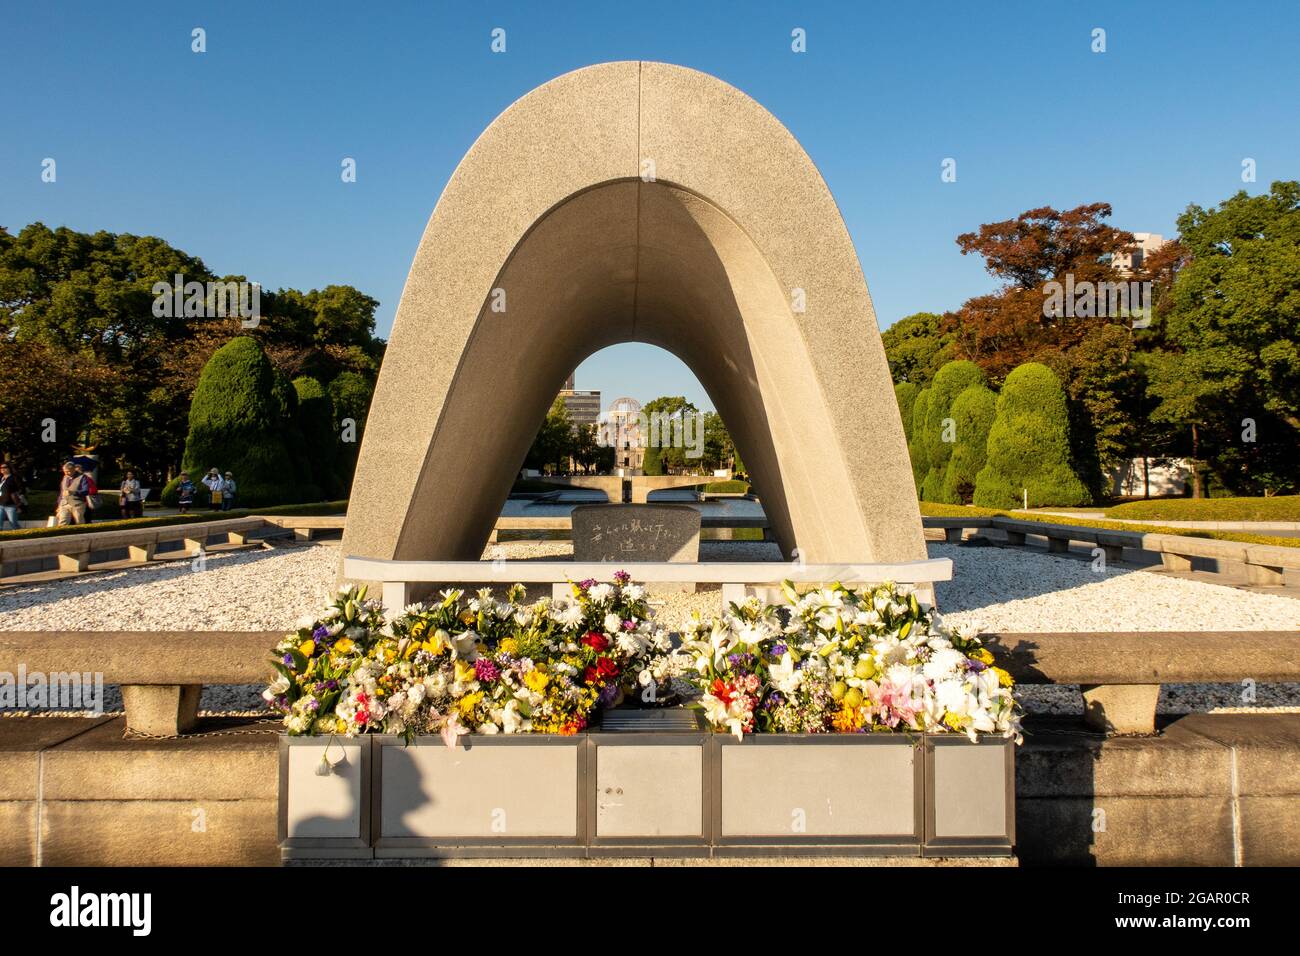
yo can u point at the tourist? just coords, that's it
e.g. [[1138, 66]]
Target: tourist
[[212, 481], [11, 497], [228, 489], [185, 493], [131, 503], [92, 493], [73, 491]]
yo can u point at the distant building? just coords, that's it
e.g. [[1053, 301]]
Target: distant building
[[620, 429], [1129, 262], [584, 407]]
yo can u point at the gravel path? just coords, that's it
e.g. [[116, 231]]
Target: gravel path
[[993, 588]]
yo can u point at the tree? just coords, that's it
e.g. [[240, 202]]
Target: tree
[[241, 421], [973, 413], [666, 416], [936, 428], [917, 347], [554, 441], [1029, 445], [1009, 327], [1228, 337]]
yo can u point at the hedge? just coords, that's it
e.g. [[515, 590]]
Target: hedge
[[1029, 445], [934, 431], [972, 413]]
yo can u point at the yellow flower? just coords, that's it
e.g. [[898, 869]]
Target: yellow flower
[[307, 648], [466, 703], [464, 671], [983, 656], [954, 721], [417, 631], [434, 646], [342, 726], [536, 680], [467, 618], [847, 719], [1003, 677], [344, 646], [509, 646]]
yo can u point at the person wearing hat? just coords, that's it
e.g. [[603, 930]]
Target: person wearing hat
[[228, 489], [212, 481]]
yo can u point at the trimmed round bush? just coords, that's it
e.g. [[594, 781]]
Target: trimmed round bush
[[905, 393], [241, 421], [915, 447], [1029, 445], [972, 413], [316, 422], [935, 432]]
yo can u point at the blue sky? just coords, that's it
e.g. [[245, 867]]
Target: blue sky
[[233, 155]]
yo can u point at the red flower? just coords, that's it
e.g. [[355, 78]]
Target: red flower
[[606, 668], [591, 675], [595, 640], [723, 691]]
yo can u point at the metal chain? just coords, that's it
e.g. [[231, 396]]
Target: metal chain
[[142, 735]]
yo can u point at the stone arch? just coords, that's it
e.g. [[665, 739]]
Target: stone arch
[[552, 206]]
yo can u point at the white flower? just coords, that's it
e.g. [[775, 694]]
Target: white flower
[[785, 677], [566, 614], [416, 693], [601, 593], [613, 623], [633, 592]]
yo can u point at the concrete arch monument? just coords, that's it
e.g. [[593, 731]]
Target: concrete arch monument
[[635, 201]]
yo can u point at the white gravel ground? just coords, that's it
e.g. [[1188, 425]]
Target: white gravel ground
[[995, 589]]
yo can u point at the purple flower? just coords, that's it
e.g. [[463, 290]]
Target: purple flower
[[485, 670], [320, 633], [587, 583], [774, 700], [629, 625], [779, 650], [288, 659], [622, 577], [332, 684], [976, 666], [607, 694]]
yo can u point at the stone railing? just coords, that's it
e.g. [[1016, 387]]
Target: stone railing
[[1264, 564]]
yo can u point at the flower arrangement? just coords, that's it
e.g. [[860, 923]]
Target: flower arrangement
[[469, 664], [832, 660], [836, 660]]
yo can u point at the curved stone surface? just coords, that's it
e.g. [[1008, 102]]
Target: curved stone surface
[[552, 206]]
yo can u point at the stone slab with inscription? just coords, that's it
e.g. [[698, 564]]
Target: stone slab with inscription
[[636, 533]]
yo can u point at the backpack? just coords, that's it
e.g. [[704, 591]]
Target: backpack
[[92, 492]]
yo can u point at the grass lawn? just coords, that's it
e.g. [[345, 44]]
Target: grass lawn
[[1280, 508], [314, 508], [931, 509]]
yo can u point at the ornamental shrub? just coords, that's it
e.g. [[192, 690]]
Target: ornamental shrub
[[972, 414], [950, 381], [242, 421], [316, 422], [915, 447], [905, 393], [350, 394], [1029, 445]]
